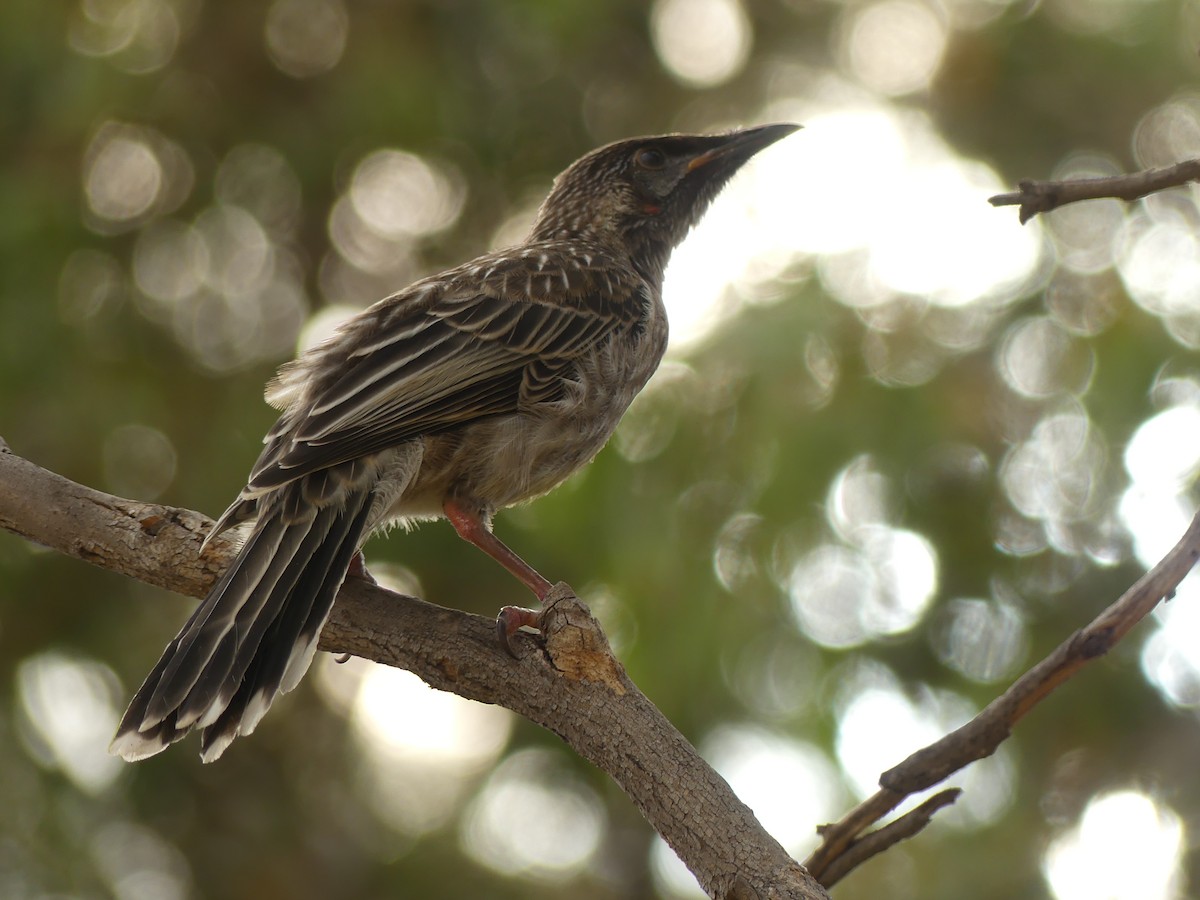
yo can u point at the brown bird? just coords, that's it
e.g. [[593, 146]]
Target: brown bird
[[475, 389]]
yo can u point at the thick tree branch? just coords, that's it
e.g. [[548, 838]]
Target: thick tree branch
[[573, 685], [1042, 196], [981, 736]]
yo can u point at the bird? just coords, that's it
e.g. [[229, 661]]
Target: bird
[[469, 391]]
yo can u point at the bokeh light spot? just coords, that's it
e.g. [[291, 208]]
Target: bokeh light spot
[[1038, 358], [843, 596], [1159, 262], [306, 37], [733, 560], [170, 263], [701, 42], [879, 582], [1162, 461], [131, 173], [981, 639], [137, 36], [790, 785], [123, 177], [859, 498], [398, 712], [1054, 476], [827, 588], [911, 215], [907, 568], [671, 876], [421, 747], [1168, 133], [1127, 846], [1155, 519], [91, 283], [260, 180], [895, 46], [398, 194], [241, 257], [1165, 449], [1171, 655], [874, 712], [139, 864], [533, 817], [69, 705], [229, 292], [139, 462]]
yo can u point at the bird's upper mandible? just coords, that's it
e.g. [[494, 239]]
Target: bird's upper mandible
[[640, 196]]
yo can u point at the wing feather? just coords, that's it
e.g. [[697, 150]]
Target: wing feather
[[443, 355]]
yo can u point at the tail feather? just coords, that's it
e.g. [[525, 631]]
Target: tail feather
[[203, 636], [252, 619], [298, 628], [135, 739], [287, 647], [258, 624]]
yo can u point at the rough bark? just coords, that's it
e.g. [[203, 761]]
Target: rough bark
[[571, 684]]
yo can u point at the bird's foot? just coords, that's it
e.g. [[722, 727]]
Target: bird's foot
[[358, 568], [512, 619]]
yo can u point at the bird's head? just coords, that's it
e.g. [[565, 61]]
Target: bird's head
[[644, 194]]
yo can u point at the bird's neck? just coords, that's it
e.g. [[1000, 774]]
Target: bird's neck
[[640, 251]]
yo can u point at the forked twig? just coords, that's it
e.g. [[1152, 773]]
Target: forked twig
[[1042, 196], [980, 737]]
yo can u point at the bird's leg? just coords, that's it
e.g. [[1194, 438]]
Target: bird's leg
[[358, 568], [470, 527]]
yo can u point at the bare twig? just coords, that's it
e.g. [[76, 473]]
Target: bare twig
[[574, 686], [981, 736], [1042, 196], [908, 825], [837, 837]]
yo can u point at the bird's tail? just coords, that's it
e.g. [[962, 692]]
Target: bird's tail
[[255, 633]]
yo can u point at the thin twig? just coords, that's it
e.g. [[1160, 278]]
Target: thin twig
[[980, 737], [1042, 196], [837, 837], [908, 825]]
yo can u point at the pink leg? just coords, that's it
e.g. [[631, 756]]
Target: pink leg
[[470, 527], [358, 568]]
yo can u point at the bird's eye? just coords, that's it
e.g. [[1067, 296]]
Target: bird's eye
[[650, 158]]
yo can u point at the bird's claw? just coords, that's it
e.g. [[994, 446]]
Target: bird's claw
[[358, 568], [512, 619]]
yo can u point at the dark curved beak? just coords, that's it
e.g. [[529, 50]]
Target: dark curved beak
[[738, 146]]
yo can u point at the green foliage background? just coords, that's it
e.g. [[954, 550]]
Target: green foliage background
[[509, 94]]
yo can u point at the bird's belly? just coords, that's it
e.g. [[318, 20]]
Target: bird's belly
[[509, 459]]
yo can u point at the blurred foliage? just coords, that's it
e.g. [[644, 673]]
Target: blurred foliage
[[688, 536]]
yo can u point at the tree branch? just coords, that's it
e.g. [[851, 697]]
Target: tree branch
[[981, 736], [1042, 196], [911, 823], [573, 686]]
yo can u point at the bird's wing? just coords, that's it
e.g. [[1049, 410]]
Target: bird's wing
[[494, 337]]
